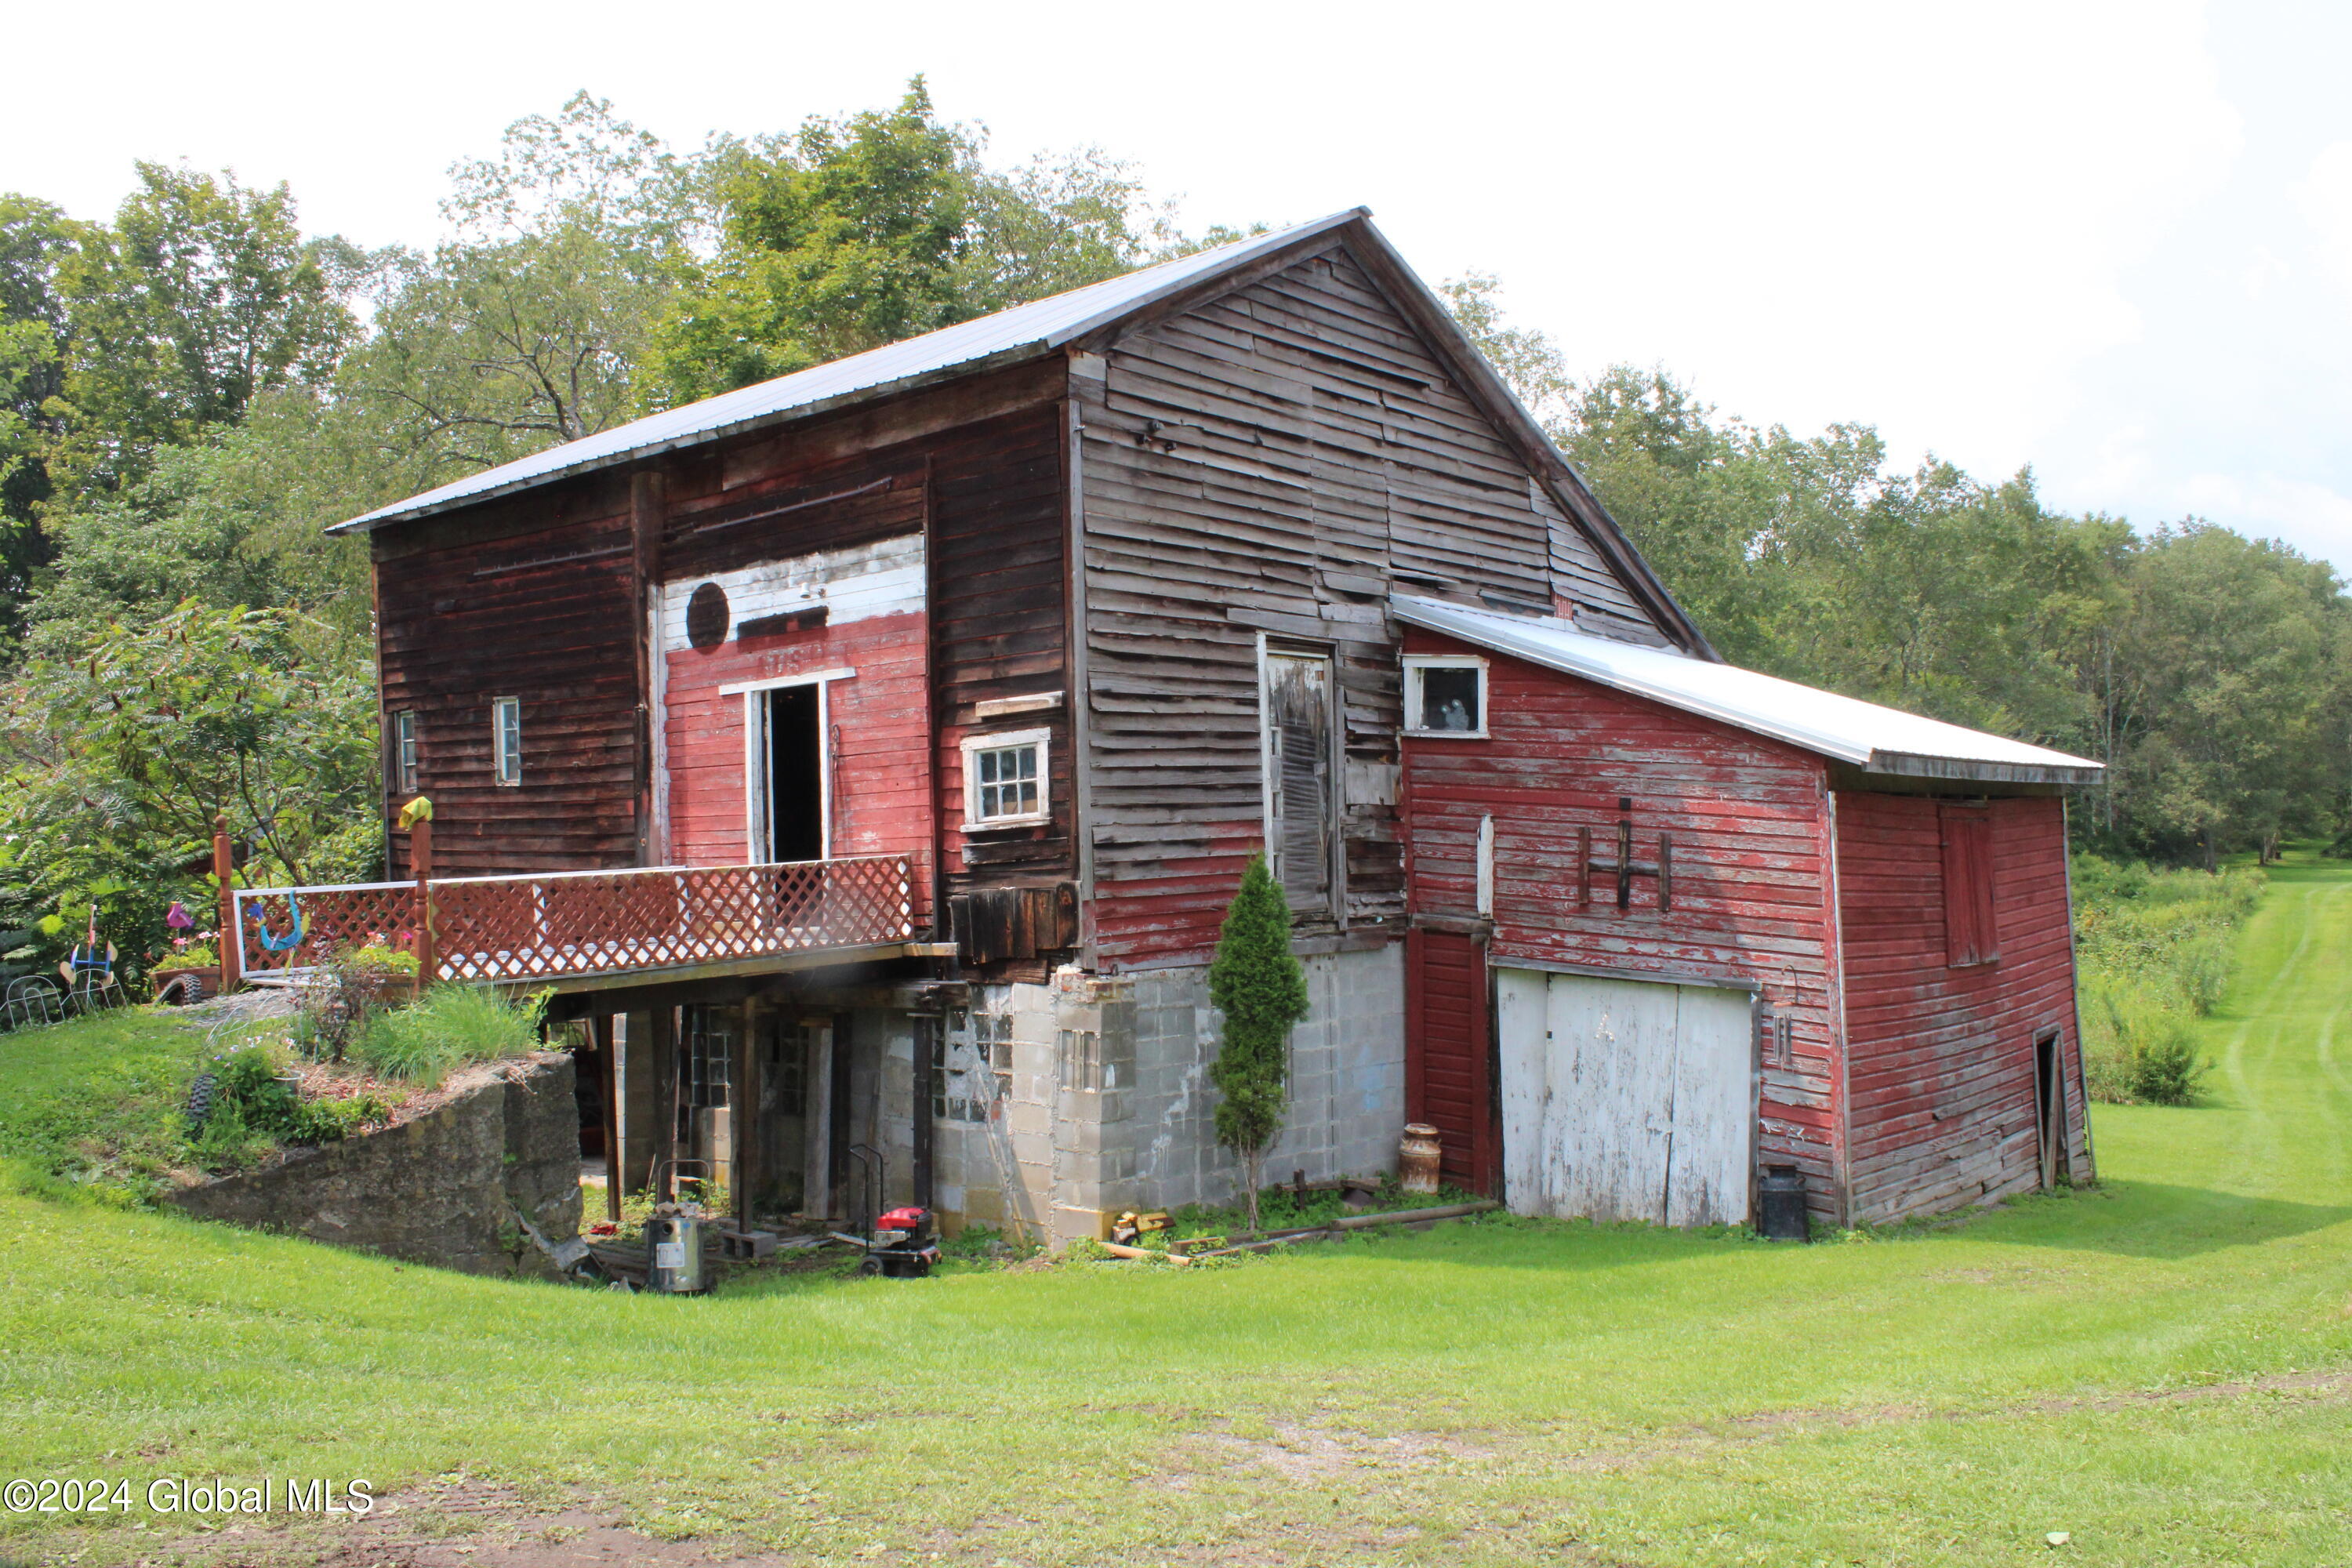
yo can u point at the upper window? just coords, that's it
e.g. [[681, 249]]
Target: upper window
[[505, 738], [403, 753], [1302, 780], [1445, 694], [1005, 779], [1969, 936]]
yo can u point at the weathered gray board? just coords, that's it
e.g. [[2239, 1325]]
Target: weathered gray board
[[1625, 1100]]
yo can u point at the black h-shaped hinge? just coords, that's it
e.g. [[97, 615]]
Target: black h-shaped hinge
[[1624, 866]]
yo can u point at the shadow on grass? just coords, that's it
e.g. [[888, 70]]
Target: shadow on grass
[[2153, 1219]]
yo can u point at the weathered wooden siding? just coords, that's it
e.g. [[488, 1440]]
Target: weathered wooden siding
[[530, 596], [876, 628], [1751, 876], [1941, 1079], [1000, 595], [1449, 1053], [526, 598], [1272, 463]]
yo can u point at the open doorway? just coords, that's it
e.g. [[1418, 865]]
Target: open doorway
[[2050, 1110], [795, 825]]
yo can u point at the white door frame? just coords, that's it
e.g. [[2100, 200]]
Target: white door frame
[[754, 694]]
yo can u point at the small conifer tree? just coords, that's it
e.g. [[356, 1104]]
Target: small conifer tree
[[1261, 988]]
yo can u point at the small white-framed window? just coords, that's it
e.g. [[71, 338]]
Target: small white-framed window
[[506, 739], [404, 751], [1005, 779], [1445, 694]]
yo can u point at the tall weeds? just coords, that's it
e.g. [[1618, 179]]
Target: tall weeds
[[448, 1026], [2154, 951]]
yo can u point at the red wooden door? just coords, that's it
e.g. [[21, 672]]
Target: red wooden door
[[1449, 1054]]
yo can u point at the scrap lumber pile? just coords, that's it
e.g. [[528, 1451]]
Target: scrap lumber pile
[[1194, 1248]]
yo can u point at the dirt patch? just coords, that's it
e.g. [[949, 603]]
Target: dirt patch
[[1301, 1452]]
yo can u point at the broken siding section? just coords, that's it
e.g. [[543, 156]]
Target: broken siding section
[[1272, 463]]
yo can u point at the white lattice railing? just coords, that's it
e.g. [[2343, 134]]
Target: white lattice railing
[[570, 923]]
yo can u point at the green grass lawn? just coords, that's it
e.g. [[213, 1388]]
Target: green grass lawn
[[2161, 1368]]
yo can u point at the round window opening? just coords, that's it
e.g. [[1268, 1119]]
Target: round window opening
[[706, 616]]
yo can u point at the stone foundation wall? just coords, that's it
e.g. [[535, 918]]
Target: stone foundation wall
[[433, 1190]]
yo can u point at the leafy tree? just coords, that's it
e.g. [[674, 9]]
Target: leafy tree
[[841, 238], [234, 519], [1260, 986], [527, 327], [201, 296], [2229, 708], [853, 233], [35, 238], [116, 762]]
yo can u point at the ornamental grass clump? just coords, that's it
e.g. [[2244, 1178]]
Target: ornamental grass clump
[[1260, 986], [447, 1028]]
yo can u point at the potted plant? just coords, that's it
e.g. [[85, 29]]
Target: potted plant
[[191, 970]]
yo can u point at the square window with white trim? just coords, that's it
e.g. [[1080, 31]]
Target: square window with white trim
[[1005, 779], [1445, 694], [505, 738]]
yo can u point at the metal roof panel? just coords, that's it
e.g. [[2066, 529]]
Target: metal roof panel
[[1873, 737], [1024, 332]]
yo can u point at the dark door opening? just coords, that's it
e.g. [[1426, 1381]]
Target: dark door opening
[[589, 1074], [795, 775], [2050, 1110]]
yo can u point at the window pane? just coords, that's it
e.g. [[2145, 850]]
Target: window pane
[[1449, 698]]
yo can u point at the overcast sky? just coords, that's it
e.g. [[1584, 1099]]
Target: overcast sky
[[2113, 242]]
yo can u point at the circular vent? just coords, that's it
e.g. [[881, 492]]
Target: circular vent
[[706, 616]]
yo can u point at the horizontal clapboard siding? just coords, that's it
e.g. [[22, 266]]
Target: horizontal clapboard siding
[[1273, 461], [1942, 1108], [1752, 876], [526, 598]]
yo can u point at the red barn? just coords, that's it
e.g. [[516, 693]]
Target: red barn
[[868, 756], [1677, 921]]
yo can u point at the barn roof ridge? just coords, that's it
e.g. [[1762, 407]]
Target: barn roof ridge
[[1005, 337], [1867, 735]]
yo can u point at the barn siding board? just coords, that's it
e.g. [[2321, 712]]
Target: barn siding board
[[551, 626], [1266, 461], [529, 596], [1751, 902], [1000, 601], [1941, 1090], [1449, 1055]]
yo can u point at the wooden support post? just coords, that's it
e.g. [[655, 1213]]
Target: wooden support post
[[817, 1117], [664, 1054], [929, 1032], [601, 1028], [232, 935], [420, 867], [743, 1112]]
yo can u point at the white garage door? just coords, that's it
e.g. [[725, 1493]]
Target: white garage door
[[1625, 1098]]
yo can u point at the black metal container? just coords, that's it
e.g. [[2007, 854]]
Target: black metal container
[[1780, 1204]]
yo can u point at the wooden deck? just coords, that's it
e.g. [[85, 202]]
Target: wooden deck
[[591, 929]]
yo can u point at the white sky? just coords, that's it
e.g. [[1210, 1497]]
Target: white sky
[[2114, 241]]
